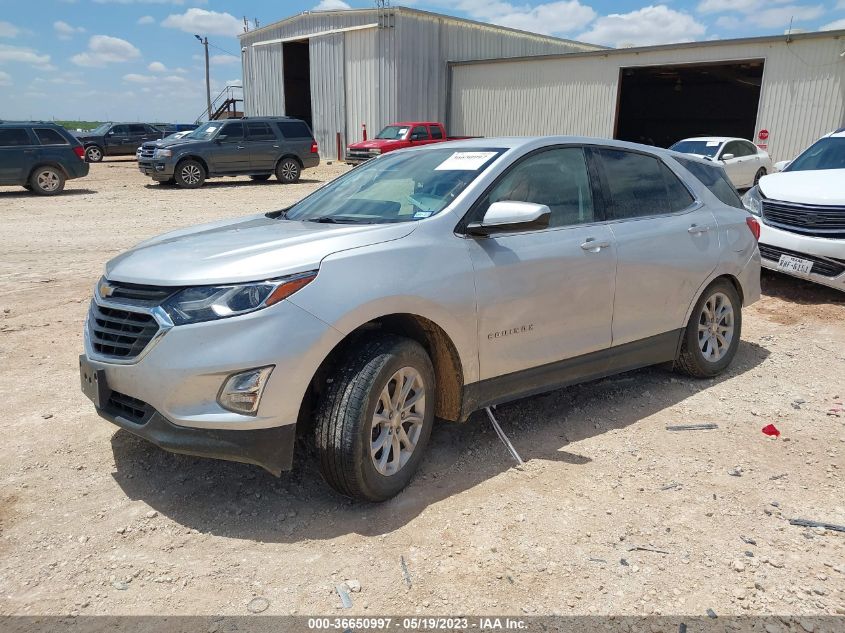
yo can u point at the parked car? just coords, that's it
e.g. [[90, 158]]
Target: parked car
[[170, 137], [398, 136], [116, 139], [744, 162], [39, 156], [255, 147], [432, 281], [802, 214]]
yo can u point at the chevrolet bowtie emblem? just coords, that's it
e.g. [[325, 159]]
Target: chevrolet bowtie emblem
[[106, 290]]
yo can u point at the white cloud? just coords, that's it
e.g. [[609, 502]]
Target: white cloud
[[834, 26], [224, 60], [135, 78], [65, 31], [146, 19], [174, 79], [24, 55], [559, 16], [649, 25], [330, 5], [5, 79], [104, 49], [773, 17], [7, 29], [157, 67], [719, 6], [204, 22]]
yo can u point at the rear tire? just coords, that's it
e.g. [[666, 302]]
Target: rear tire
[[375, 418], [94, 154], [47, 181], [190, 174], [260, 177], [760, 173], [288, 171], [713, 332]]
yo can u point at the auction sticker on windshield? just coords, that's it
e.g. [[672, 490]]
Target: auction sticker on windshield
[[794, 264], [465, 161]]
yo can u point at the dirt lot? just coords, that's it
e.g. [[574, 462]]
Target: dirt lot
[[95, 521]]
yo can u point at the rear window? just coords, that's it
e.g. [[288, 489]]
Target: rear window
[[13, 137], [294, 129], [715, 179], [49, 136]]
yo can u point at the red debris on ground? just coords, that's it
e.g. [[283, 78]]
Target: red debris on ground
[[771, 430]]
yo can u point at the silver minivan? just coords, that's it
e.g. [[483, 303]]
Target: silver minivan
[[430, 282]]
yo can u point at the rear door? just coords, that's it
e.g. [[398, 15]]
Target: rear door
[[230, 153], [263, 146], [667, 243], [545, 295], [138, 135], [17, 155]]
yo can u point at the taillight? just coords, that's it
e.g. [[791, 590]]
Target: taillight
[[314, 147], [753, 226], [79, 151]]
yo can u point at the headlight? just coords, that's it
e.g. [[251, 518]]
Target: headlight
[[208, 303], [162, 153], [753, 201], [375, 151]]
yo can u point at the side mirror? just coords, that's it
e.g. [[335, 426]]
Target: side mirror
[[508, 216], [727, 156], [110, 133], [782, 164], [220, 137]]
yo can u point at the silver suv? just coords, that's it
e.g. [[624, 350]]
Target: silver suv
[[430, 282]]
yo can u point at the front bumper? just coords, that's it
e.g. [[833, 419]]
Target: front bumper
[[828, 255], [156, 169]]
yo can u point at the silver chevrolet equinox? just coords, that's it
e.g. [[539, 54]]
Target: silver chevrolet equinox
[[428, 283]]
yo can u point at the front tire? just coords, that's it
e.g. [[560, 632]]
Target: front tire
[[47, 181], [713, 332], [93, 154], [760, 173], [288, 171], [190, 174], [375, 418]]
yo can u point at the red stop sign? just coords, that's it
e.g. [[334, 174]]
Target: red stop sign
[[763, 135]]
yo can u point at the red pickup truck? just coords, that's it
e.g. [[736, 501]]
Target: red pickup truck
[[398, 136]]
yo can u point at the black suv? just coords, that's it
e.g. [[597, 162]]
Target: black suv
[[117, 139], [255, 147], [39, 156]]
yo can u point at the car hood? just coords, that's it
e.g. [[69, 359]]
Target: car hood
[[174, 142], [376, 143], [245, 249], [822, 186]]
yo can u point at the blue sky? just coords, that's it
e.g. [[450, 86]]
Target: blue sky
[[138, 59]]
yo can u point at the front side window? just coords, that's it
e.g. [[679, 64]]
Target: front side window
[[13, 137], [419, 133], [556, 178], [827, 153], [399, 187], [49, 136], [259, 131], [640, 185], [120, 130], [233, 132], [736, 148]]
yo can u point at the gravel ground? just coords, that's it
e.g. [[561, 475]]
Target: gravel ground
[[611, 514]]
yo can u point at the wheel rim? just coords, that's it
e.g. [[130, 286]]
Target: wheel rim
[[191, 174], [93, 154], [288, 170], [397, 421], [48, 180], [715, 327]]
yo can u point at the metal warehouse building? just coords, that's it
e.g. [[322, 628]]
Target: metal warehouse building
[[339, 69], [783, 92]]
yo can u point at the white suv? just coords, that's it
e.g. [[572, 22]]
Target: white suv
[[802, 210]]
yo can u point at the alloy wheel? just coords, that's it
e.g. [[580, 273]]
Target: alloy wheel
[[288, 170], [715, 327], [94, 154], [48, 180], [397, 421], [191, 174]]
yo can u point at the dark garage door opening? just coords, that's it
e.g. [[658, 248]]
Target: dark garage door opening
[[297, 80], [659, 105]]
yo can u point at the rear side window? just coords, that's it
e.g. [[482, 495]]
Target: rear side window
[[14, 136], [715, 179], [49, 136], [294, 129], [640, 185], [138, 129], [259, 131], [436, 132]]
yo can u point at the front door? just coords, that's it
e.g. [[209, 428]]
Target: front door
[[667, 244], [545, 295], [17, 155], [230, 153], [118, 141]]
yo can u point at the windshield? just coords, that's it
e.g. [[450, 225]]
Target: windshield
[[100, 129], [393, 132], [702, 148], [827, 153], [205, 131], [398, 187]]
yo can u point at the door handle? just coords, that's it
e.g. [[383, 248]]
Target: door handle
[[241, 147], [697, 230], [275, 147], [590, 244]]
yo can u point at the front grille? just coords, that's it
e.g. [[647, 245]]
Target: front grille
[[128, 407], [825, 266], [147, 150], [119, 334], [358, 155], [806, 219], [142, 295]]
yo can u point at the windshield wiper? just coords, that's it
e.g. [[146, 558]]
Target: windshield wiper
[[327, 219]]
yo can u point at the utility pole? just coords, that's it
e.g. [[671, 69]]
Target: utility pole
[[204, 42]]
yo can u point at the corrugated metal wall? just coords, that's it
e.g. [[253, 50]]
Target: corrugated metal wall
[[802, 97], [328, 92]]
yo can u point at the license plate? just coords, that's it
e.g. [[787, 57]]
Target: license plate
[[790, 264], [93, 383]]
